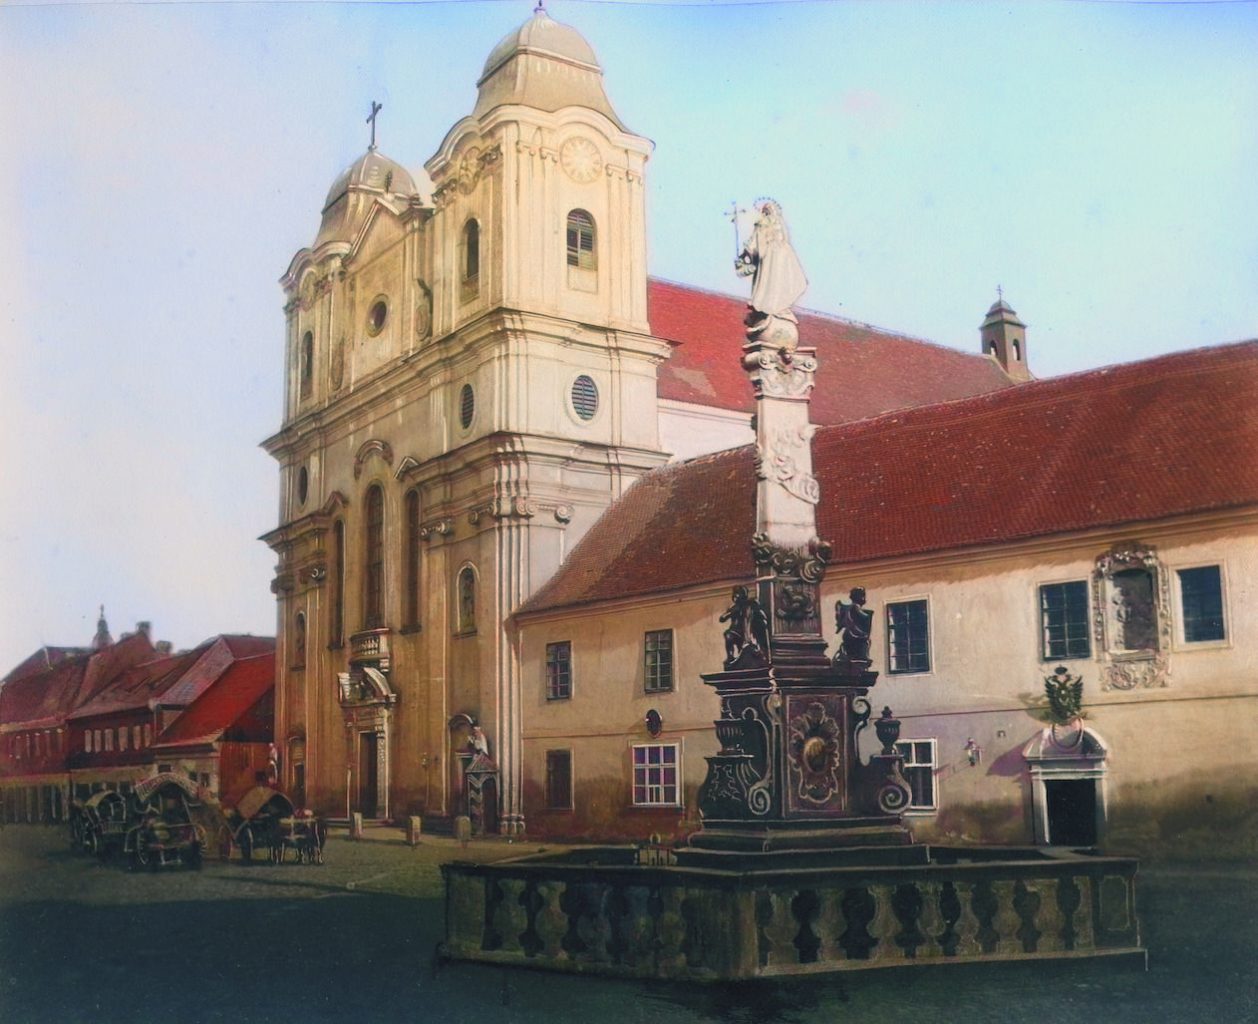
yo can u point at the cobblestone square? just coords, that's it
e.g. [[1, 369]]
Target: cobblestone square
[[355, 940]]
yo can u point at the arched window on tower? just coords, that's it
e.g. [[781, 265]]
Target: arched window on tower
[[373, 561], [471, 257], [1017, 350], [337, 625], [307, 363], [412, 560], [582, 252], [299, 641], [467, 600]]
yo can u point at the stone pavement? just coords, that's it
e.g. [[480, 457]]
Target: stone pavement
[[354, 939]]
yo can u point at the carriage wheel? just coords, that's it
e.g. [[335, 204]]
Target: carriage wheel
[[246, 846], [141, 855], [91, 843], [277, 853]]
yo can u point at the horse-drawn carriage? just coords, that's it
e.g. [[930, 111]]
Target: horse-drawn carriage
[[265, 819], [99, 824], [164, 830]]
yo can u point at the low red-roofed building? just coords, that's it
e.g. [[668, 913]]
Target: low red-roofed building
[[1104, 521], [112, 736], [36, 700], [224, 737]]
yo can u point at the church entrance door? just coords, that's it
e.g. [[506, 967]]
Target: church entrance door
[[368, 777], [1071, 811]]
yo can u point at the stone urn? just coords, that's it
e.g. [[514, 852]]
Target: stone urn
[[888, 729]]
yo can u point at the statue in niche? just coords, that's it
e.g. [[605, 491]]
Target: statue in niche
[[778, 280], [1134, 610], [855, 624]]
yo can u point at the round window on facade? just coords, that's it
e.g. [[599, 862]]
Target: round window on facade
[[377, 315], [585, 397], [467, 405], [303, 485]]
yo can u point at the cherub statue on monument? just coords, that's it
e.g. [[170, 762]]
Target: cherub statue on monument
[[856, 624], [778, 280]]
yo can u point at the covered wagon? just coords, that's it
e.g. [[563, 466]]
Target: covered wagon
[[265, 819], [165, 829]]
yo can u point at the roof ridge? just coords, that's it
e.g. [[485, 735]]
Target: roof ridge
[[1006, 395], [819, 313]]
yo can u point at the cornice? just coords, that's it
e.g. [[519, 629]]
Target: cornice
[[415, 373], [1084, 544]]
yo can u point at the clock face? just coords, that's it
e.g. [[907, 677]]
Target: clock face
[[580, 160]]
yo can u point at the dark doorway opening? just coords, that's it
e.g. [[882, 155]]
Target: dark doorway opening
[[1071, 812], [367, 775]]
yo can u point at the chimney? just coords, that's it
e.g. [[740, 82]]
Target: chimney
[[144, 627], [164, 647]]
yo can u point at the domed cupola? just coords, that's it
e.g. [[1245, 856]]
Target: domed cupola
[[372, 176], [543, 64]]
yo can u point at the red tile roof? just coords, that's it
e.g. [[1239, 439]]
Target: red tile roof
[[176, 680], [1167, 436], [226, 700], [43, 659], [893, 371], [48, 696]]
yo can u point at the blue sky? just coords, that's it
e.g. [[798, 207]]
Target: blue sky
[[162, 163]]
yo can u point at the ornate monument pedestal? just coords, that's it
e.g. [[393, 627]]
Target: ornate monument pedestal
[[803, 864]]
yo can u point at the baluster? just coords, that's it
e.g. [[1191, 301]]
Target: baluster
[[885, 925], [930, 923], [831, 925], [1006, 922], [777, 928], [967, 926], [511, 919], [551, 921]]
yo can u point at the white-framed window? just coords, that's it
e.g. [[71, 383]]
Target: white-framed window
[[908, 636], [559, 670], [122, 737], [1200, 594], [656, 775], [109, 739], [135, 737], [87, 741], [559, 780], [148, 734], [658, 660], [1065, 626], [920, 761]]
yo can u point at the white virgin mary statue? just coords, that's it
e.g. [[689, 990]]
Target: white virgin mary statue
[[778, 281]]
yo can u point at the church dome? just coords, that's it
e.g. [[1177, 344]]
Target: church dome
[[543, 35], [375, 172], [546, 65], [372, 176]]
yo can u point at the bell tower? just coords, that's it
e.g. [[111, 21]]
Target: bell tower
[[1003, 337]]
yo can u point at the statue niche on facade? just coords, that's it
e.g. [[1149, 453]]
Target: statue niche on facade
[[778, 280], [854, 624]]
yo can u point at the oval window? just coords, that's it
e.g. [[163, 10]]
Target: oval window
[[585, 397], [467, 405], [303, 485], [376, 316]]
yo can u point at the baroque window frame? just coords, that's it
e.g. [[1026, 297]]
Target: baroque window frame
[[1122, 668]]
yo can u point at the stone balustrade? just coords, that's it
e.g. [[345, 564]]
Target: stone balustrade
[[612, 917]]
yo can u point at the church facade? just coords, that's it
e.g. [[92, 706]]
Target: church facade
[[477, 368]]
